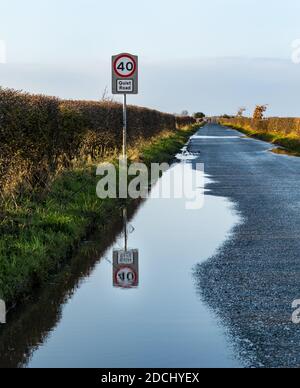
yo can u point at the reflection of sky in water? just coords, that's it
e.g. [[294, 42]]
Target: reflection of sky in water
[[185, 182], [160, 324]]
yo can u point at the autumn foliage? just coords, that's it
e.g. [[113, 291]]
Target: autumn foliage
[[41, 135], [280, 125], [259, 112]]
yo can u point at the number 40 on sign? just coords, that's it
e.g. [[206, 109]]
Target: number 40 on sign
[[125, 74]]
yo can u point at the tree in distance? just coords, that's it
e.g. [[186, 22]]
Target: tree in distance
[[226, 116], [199, 115], [259, 112]]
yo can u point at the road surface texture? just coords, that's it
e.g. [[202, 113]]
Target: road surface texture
[[254, 278]]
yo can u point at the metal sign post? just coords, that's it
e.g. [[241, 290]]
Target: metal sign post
[[125, 229], [124, 81], [125, 262], [124, 126]]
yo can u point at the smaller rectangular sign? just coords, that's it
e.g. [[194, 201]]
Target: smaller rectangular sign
[[125, 257], [125, 86]]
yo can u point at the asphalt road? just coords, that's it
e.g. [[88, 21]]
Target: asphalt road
[[254, 278]]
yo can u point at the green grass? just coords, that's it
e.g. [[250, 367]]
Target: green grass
[[38, 236], [290, 142], [165, 149]]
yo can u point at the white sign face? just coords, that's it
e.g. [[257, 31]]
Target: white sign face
[[125, 86], [2, 311], [125, 66], [125, 257], [125, 74], [126, 277]]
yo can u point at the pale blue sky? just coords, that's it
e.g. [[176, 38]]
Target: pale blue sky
[[198, 55]]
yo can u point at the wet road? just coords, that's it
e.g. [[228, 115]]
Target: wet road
[[254, 278], [83, 321], [216, 284]]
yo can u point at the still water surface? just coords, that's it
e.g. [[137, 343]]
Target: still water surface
[[162, 323]]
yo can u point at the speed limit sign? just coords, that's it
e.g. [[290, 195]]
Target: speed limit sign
[[125, 74], [126, 268], [126, 277], [125, 65]]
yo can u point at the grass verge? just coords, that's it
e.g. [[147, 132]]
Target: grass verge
[[290, 142], [38, 236]]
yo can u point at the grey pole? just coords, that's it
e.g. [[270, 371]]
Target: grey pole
[[125, 228], [124, 126], [125, 161]]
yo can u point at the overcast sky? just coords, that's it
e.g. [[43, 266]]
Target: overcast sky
[[213, 55]]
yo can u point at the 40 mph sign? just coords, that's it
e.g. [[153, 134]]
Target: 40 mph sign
[[125, 74], [126, 268]]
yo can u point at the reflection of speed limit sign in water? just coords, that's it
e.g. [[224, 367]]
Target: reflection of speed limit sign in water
[[126, 268], [126, 277]]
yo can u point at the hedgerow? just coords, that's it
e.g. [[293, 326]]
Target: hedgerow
[[40, 135]]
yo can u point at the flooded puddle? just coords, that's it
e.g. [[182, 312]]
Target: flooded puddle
[[160, 322]]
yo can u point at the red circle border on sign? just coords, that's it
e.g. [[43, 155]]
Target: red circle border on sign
[[125, 267], [125, 56]]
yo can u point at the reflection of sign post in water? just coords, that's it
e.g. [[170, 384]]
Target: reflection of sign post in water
[[126, 268], [2, 311], [125, 262]]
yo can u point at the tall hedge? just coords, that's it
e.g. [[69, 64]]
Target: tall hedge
[[182, 121], [273, 124], [40, 134]]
